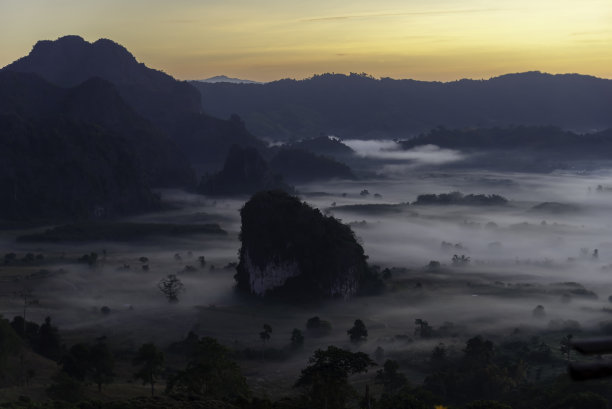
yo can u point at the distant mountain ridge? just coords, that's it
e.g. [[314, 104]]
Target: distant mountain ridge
[[360, 106], [225, 78]]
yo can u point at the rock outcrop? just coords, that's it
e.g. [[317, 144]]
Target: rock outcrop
[[244, 173], [291, 250], [302, 166]]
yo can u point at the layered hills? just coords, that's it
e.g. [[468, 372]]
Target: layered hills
[[171, 105], [360, 106], [87, 131]]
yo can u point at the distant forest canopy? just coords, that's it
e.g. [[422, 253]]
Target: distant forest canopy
[[360, 106], [511, 146], [511, 137]]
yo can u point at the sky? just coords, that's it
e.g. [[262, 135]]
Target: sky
[[264, 40]]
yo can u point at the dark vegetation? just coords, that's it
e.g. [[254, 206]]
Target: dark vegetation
[[359, 106], [318, 327], [118, 231], [373, 208], [519, 148], [555, 208], [525, 139], [279, 229], [323, 145], [200, 372], [458, 198], [171, 286]]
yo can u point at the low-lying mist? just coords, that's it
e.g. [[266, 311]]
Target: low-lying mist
[[516, 256]]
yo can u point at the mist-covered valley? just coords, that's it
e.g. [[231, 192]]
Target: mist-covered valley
[[316, 249], [537, 265]]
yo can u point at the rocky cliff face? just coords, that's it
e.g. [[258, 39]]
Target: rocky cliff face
[[273, 275], [290, 249]]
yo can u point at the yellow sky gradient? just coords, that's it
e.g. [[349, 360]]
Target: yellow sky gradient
[[271, 39]]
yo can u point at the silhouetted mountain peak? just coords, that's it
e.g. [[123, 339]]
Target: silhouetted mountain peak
[[171, 105], [225, 78], [71, 60]]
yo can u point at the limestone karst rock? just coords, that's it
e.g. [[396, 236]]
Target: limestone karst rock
[[289, 248]]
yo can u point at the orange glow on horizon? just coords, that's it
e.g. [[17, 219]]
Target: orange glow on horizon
[[266, 40]]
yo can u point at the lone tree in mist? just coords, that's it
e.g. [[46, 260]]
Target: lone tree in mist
[[358, 332], [210, 373], [565, 346], [422, 328], [460, 261], [101, 364], [171, 286], [151, 362]]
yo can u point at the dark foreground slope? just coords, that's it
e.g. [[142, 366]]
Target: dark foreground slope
[[364, 107]]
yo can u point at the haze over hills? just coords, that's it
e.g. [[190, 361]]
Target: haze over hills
[[360, 106]]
